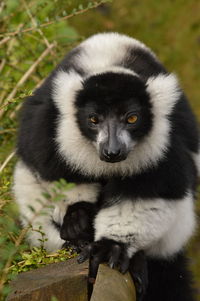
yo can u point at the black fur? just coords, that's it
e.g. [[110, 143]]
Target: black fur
[[143, 63], [169, 280], [78, 222]]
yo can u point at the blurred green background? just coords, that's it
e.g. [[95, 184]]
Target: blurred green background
[[170, 28]]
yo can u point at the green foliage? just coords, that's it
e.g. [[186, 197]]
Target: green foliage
[[38, 257]]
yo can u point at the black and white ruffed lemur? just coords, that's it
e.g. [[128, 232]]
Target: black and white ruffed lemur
[[113, 120]]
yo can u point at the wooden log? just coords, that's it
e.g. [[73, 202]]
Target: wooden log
[[67, 281], [111, 285]]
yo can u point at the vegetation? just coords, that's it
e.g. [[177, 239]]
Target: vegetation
[[34, 36]]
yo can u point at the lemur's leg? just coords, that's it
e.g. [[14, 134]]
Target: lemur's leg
[[29, 189], [170, 279]]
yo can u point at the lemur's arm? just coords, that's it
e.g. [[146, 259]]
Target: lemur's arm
[[156, 225], [72, 217]]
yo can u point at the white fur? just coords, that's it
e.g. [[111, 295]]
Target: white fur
[[158, 226], [102, 51], [66, 86], [29, 188], [179, 232], [81, 154]]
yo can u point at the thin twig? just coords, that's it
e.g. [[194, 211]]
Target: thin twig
[[36, 78], [30, 70], [7, 161], [14, 33], [26, 75], [9, 48], [3, 62], [35, 25], [2, 4], [3, 94], [7, 131], [10, 258], [5, 40]]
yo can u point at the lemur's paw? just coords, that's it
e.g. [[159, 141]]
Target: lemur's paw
[[115, 254], [105, 250], [77, 223], [139, 272]]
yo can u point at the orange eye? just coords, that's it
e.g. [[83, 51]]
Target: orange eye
[[94, 119], [132, 119]]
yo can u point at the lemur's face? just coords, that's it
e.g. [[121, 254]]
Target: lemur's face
[[114, 113]]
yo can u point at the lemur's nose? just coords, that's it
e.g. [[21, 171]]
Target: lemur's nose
[[111, 155]]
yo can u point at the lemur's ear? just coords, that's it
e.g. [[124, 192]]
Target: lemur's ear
[[164, 92]]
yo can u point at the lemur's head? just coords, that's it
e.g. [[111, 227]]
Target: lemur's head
[[114, 112], [112, 122]]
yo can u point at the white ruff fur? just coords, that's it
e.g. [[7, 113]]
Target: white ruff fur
[[159, 227], [28, 189]]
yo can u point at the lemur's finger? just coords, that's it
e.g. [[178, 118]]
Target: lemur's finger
[[139, 272], [115, 254], [124, 265], [93, 266]]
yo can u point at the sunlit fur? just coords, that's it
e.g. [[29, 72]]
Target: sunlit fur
[[144, 201]]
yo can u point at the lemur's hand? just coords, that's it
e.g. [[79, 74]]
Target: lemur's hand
[[105, 250], [77, 227], [116, 255]]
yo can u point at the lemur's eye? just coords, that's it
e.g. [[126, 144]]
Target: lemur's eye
[[94, 119], [132, 119]]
